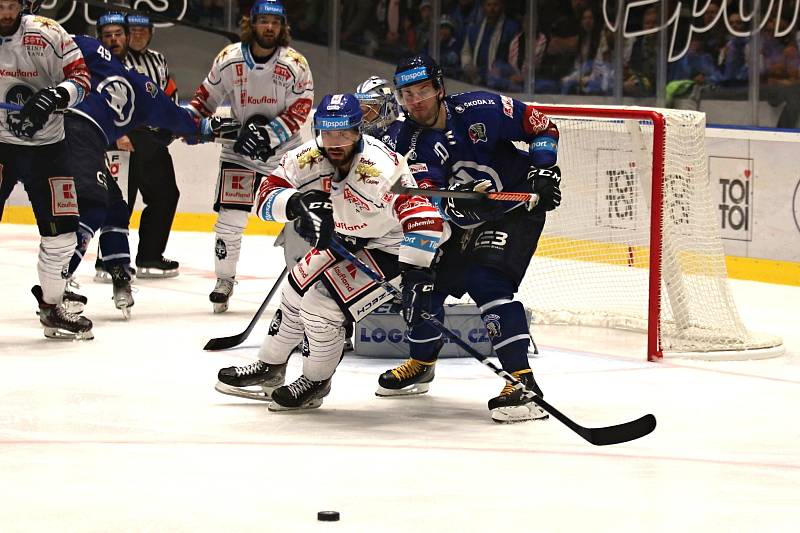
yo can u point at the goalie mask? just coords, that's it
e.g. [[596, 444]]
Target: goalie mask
[[378, 104], [337, 124]]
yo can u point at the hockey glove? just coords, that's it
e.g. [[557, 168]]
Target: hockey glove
[[469, 212], [546, 182], [37, 110], [253, 141], [214, 127], [312, 212], [416, 285]]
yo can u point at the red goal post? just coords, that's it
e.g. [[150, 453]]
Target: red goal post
[[636, 244]]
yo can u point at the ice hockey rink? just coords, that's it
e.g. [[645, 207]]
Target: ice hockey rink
[[126, 432]]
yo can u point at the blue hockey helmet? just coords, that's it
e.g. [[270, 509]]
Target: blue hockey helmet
[[378, 104], [337, 113], [417, 69], [110, 18], [268, 7]]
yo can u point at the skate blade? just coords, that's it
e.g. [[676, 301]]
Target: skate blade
[[413, 390], [65, 335], [348, 345], [101, 276], [155, 273], [311, 404], [263, 394], [518, 413], [126, 311], [220, 307]]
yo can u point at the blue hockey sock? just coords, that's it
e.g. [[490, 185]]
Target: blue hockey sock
[[424, 340], [507, 327]]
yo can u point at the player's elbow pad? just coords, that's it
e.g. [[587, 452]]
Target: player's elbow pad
[[544, 149]]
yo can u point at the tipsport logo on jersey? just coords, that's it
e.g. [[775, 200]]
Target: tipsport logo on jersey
[[57, 10]]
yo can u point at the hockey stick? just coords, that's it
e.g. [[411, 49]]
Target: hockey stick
[[398, 188], [156, 17], [601, 436], [223, 343]]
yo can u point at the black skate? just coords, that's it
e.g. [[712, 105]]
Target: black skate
[[123, 297], [348, 336], [412, 377], [255, 381], [511, 406], [157, 268], [72, 301], [222, 294], [101, 275], [59, 323], [302, 394]]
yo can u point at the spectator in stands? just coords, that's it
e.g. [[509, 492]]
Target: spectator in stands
[[510, 75], [395, 23], [561, 24], [422, 28], [312, 21], [601, 78], [466, 14], [487, 44], [588, 41], [640, 70], [357, 27], [449, 47], [733, 58]]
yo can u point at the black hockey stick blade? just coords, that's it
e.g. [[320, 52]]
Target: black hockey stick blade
[[604, 436], [223, 343]]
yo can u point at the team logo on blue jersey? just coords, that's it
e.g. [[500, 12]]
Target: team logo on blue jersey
[[120, 97], [151, 88], [477, 132], [492, 323]]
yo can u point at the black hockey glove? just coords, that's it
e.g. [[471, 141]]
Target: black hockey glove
[[312, 212], [417, 285], [214, 127], [253, 140], [469, 212], [37, 110], [546, 182]]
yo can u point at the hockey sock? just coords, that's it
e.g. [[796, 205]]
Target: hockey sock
[[423, 339], [507, 327], [323, 322], [285, 330], [54, 257], [114, 246], [229, 228], [91, 219]]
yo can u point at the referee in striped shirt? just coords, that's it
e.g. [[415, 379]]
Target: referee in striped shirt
[[151, 170]]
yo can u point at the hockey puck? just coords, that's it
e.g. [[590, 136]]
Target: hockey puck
[[328, 516]]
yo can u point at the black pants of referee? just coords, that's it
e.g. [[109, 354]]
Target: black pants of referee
[[152, 174]]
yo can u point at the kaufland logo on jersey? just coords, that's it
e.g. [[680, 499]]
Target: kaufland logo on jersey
[[411, 76]]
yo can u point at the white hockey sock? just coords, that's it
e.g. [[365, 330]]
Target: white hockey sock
[[285, 330], [322, 321], [228, 241], [54, 255]]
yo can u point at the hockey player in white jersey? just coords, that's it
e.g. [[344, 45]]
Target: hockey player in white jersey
[[337, 185], [271, 91], [42, 69]]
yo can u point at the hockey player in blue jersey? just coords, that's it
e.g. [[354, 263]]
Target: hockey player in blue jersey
[[464, 142]]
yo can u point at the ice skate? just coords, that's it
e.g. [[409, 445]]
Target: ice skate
[[72, 301], [101, 275], [157, 268], [510, 406], [412, 377], [255, 381], [59, 323], [302, 394], [348, 336], [222, 294], [123, 297]]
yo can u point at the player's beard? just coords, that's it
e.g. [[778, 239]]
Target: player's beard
[[341, 156], [267, 40], [8, 25]]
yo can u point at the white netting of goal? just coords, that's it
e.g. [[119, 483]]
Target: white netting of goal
[[592, 266]]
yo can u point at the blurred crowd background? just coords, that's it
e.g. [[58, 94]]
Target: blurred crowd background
[[663, 52]]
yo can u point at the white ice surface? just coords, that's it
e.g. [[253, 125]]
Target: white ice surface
[[126, 432]]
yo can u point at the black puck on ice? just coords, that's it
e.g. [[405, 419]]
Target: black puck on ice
[[328, 516]]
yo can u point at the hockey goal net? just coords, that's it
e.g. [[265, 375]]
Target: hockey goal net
[[635, 243]]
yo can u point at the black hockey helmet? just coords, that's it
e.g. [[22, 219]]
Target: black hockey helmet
[[111, 18]]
